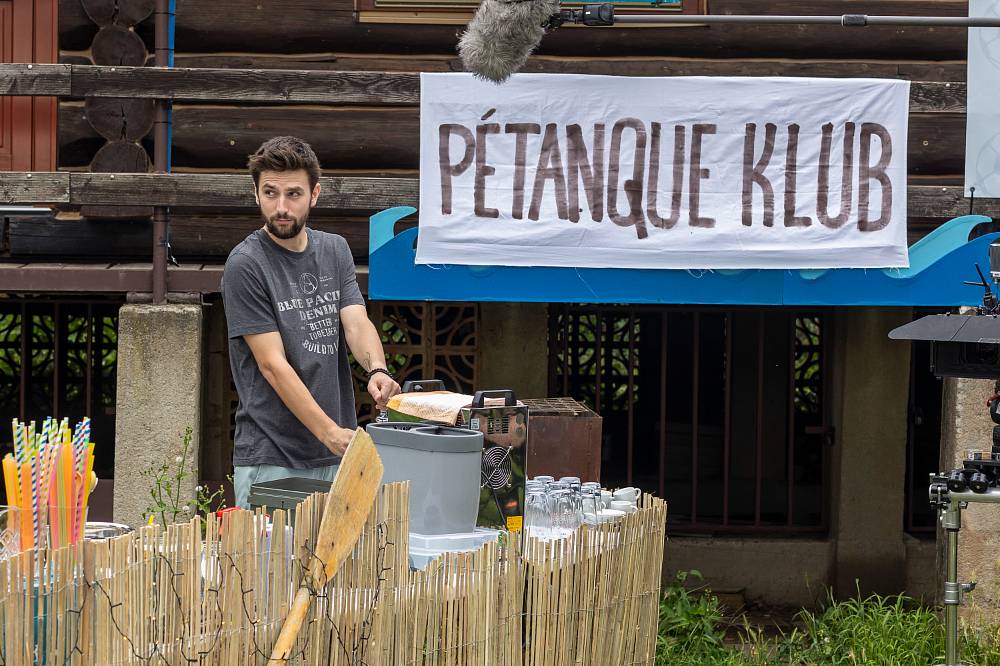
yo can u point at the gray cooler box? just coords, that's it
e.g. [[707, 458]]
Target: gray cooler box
[[442, 465]]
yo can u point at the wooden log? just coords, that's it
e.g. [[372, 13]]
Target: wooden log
[[339, 193], [115, 45], [192, 237], [939, 97], [125, 13], [936, 144], [127, 239], [117, 118], [221, 137], [214, 236], [118, 157], [288, 27]]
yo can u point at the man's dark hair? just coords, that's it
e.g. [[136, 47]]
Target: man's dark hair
[[284, 153]]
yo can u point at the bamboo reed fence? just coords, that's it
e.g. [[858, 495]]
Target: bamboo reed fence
[[216, 594]]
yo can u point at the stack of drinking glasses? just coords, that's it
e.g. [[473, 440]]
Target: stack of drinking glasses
[[555, 508]]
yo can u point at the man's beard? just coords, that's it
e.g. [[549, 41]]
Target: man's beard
[[287, 232]]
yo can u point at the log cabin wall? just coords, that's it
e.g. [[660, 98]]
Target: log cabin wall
[[383, 140]]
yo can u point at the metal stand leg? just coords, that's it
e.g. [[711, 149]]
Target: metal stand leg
[[951, 520], [949, 503]]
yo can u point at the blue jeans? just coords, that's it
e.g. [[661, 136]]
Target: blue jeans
[[245, 476]]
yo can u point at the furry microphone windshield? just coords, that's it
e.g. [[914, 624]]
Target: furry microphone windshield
[[502, 34]]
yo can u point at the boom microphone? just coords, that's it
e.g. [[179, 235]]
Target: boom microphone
[[502, 34]]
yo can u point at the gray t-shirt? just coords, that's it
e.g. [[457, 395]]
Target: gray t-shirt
[[265, 288]]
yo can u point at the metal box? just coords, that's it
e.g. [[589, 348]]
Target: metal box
[[565, 439]]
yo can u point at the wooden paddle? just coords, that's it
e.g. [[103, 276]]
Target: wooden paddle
[[348, 504]]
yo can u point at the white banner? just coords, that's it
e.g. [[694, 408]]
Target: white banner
[[687, 172], [982, 104]]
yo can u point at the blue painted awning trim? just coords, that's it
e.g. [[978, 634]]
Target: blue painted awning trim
[[939, 263]]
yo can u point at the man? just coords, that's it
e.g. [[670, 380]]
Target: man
[[292, 299]]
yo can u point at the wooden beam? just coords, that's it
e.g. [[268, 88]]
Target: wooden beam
[[232, 85], [44, 187], [338, 193], [35, 79], [295, 86], [104, 277], [117, 277], [191, 190]]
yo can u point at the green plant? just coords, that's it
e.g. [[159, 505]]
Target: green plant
[[891, 630], [869, 631], [690, 628], [167, 490]]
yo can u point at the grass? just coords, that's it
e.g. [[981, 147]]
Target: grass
[[887, 631]]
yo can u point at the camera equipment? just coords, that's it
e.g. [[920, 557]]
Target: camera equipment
[[503, 33], [957, 483], [964, 346], [979, 482]]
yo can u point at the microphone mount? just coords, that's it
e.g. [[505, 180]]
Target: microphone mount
[[591, 15], [603, 15]]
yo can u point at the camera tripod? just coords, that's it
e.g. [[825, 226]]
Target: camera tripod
[[949, 505]]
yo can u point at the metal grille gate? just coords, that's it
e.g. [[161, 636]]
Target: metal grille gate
[[59, 358], [721, 412]]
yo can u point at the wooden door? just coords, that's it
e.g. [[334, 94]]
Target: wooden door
[[28, 33]]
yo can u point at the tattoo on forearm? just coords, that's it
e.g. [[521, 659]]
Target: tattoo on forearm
[[368, 362]]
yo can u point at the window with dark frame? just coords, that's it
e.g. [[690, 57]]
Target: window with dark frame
[[722, 412], [460, 11]]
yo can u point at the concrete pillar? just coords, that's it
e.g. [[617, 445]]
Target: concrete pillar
[[966, 424], [869, 461], [159, 397], [514, 352]]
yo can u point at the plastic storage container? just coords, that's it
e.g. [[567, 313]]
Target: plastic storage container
[[427, 547], [443, 467], [285, 493]]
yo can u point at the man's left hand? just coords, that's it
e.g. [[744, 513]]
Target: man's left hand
[[382, 387]]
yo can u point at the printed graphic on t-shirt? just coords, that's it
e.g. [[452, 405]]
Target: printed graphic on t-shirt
[[316, 326]]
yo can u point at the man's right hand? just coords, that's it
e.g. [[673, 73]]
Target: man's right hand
[[336, 439]]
